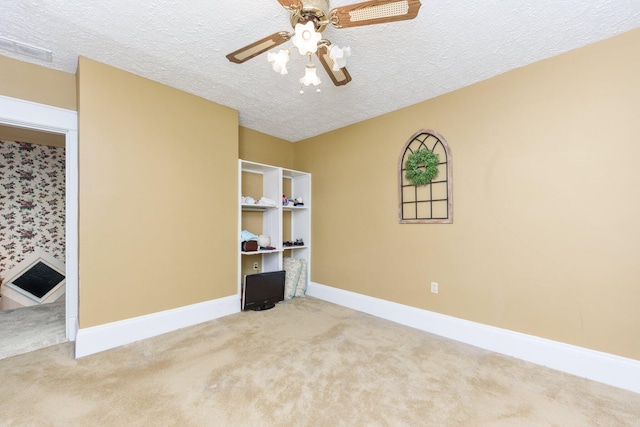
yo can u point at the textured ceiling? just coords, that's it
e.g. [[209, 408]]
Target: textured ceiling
[[451, 44]]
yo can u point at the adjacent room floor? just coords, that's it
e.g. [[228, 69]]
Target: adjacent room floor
[[31, 328]]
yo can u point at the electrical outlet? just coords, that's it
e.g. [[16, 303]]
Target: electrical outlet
[[434, 287], [255, 266]]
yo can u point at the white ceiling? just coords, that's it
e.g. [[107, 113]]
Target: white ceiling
[[451, 44]]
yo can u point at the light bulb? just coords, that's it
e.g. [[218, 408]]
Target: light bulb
[[310, 76], [279, 61], [306, 38], [339, 57]]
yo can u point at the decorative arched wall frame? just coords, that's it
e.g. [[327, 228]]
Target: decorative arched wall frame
[[431, 203]]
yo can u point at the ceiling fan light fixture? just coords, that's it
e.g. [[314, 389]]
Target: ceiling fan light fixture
[[306, 38], [279, 60], [310, 76], [309, 18], [339, 56]]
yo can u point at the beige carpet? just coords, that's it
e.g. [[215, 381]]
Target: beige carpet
[[303, 363]]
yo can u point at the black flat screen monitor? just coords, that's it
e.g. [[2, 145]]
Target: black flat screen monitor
[[262, 291]]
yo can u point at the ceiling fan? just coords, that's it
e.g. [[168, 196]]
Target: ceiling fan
[[309, 18]]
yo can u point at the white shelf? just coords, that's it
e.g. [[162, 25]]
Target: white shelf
[[272, 251], [273, 181], [257, 207]]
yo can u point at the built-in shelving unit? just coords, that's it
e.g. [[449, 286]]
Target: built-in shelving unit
[[281, 223]]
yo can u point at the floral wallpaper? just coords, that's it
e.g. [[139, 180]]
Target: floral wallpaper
[[32, 201]]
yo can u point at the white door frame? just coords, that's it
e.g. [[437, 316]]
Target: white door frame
[[30, 115]]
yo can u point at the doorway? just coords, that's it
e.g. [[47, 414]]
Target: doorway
[[39, 117]]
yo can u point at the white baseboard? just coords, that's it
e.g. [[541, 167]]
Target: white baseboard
[[598, 366], [103, 337]]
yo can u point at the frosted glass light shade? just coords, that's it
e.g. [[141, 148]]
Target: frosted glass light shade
[[339, 57], [279, 61], [306, 38], [310, 76]]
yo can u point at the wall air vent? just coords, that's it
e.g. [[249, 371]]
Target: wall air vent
[[38, 279], [26, 49]]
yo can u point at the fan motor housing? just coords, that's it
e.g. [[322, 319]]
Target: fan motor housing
[[316, 11]]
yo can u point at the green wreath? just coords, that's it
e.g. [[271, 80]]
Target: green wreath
[[422, 167]]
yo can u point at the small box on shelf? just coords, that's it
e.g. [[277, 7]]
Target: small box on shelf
[[249, 246]]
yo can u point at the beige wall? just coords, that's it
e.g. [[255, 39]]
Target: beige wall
[[262, 148], [546, 237], [158, 191], [34, 83], [9, 133]]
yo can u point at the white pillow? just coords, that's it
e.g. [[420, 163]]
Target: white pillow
[[292, 270], [301, 288]]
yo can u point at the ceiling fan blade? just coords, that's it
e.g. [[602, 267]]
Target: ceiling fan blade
[[340, 77], [291, 5], [256, 48], [374, 12]]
